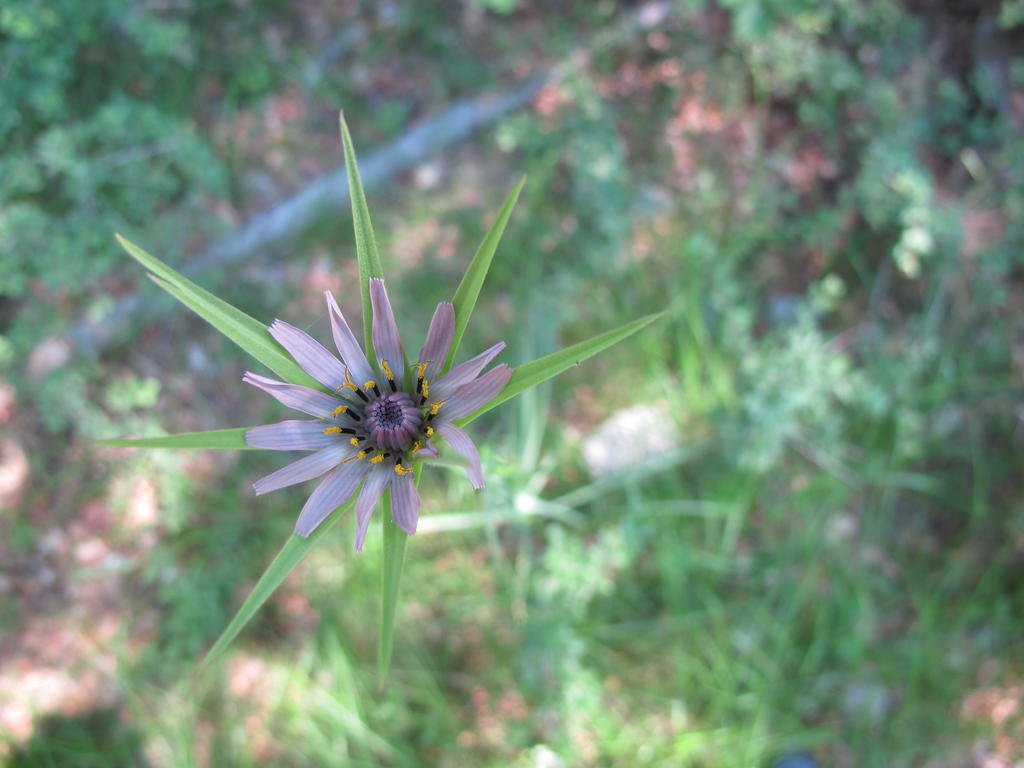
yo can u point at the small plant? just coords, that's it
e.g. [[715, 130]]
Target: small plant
[[376, 429]]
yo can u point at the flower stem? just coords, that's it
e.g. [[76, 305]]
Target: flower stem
[[391, 578]]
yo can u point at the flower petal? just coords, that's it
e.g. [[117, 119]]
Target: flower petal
[[463, 445], [439, 339], [475, 394], [304, 469], [351, 353], [335, 490], [295, 395], [292, 435], [309, 353], [386, 342], [405, 502], [463, 373], [377, 480]]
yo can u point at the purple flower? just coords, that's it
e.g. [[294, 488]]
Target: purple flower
[[379, 417]]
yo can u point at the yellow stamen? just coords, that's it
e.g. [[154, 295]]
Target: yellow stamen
[[340, 410], [421, 383], [377, 459], [437, 407], [430, 431], [416, 446], [349, 384], [371, 384], [332, 430], [387, 370], [401, 471], [354, 441]]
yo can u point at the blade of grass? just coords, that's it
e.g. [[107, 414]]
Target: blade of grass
[[366, 243], [291, 554], [245, 331], [469, 289], [212, 440], [537, 371]]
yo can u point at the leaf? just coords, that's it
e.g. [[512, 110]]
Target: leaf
[[537, 371], [214, 439], [469, 289], [247, 332], [291, 554], [366, 243], [395, 540]]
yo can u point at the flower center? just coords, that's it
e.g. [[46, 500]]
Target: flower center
[[393, 421]]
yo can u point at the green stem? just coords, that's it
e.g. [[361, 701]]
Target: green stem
[[391, 577]]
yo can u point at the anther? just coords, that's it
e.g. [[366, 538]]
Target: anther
[[401, 471], [390, 376], [349, 384], [421, 383], [339, 410], [372, 385], [332, 431], [377, 459], [355, 457]]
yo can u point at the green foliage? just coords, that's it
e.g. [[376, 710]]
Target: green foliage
[[579, 157], [121, 166], [100, 135]]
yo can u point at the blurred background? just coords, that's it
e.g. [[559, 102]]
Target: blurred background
[[785, 523]]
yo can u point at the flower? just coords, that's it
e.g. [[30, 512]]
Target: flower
[[378, 418]]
